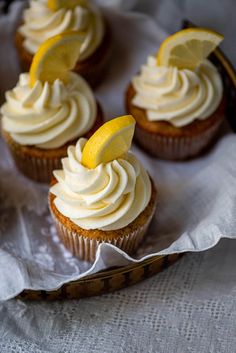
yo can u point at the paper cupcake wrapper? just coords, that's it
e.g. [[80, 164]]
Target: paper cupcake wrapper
[[175, 148], [85, 248], [36, 168]]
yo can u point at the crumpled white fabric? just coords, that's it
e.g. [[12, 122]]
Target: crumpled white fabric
[[197, 199]]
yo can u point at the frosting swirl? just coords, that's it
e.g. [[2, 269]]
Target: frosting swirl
[[41, 23], [49, 115], [177, 96], [108, 197]]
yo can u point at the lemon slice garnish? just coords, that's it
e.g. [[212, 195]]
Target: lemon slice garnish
[[112, 140], [55, 5], [186, 49], [55, 57]]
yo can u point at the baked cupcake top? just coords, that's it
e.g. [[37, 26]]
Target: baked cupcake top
[[40, 22], [48, 115], [179, 90], [109, 196], [50, 105]]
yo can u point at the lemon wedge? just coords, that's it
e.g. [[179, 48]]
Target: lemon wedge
[[186, 49], [112, 140], [55, 57], [55, 5]]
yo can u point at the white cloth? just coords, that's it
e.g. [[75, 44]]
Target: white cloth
[[188, 308]]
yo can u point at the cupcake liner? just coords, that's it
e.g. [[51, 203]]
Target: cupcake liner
[[85, 248], [36, 168], [176, 148]]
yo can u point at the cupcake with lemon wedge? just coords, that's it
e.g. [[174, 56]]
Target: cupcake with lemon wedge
[[102, 193], [44, 19], [49, 109], [177, 98]]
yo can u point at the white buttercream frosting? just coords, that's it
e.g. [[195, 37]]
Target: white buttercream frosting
[[49, 115], [41, 23], [108, 197], [177, 96]]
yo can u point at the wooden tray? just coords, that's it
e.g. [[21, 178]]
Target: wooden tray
[[118, 278], [105, 281]]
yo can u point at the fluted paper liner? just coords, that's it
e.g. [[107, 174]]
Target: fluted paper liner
[[85, 248], [175, 148], [37, 168]]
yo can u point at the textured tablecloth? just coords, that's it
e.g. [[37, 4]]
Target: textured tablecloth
[[190, 307]]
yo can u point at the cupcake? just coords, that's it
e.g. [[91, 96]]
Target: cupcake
[[44, 19], [102, 193], [49, 109], [177, 97]]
